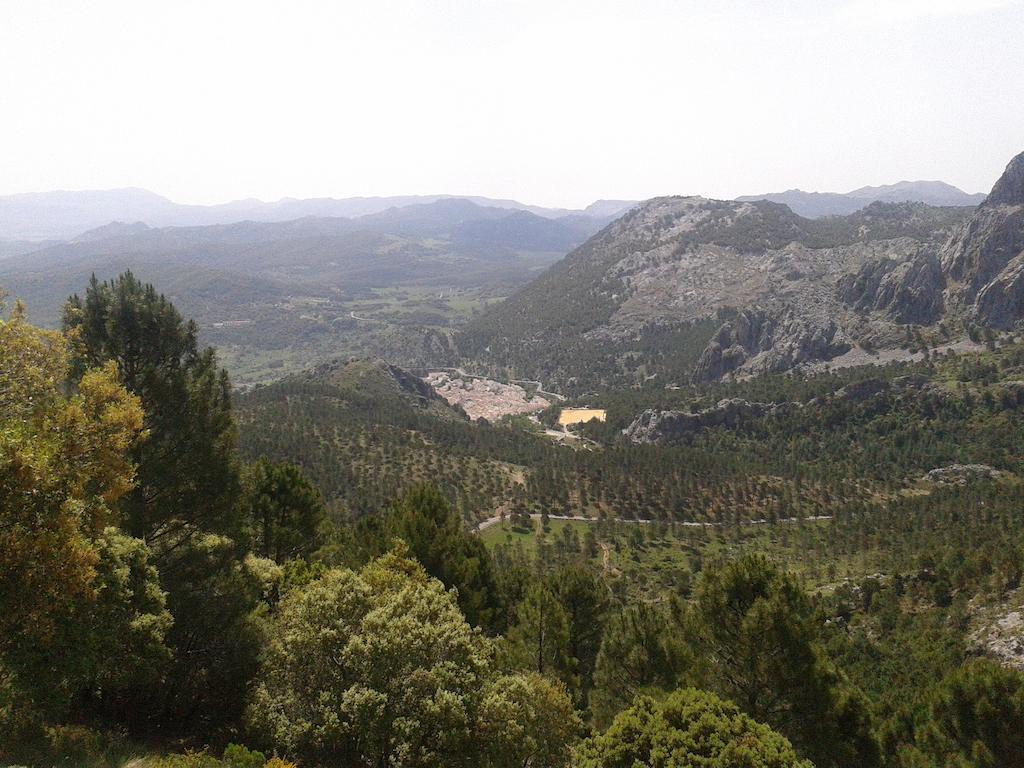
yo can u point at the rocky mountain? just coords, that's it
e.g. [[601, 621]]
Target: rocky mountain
[[63, 215], [755, 288], [977, 275], [679, 285], [817, 204]]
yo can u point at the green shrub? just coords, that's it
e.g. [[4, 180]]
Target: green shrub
[[239, 756]]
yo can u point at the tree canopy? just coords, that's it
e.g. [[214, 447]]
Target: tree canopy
[[689, 729], [379, 668], [187, 471]]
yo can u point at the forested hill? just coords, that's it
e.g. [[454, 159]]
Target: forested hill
[[367, 431], [808, 571], [773, 446]]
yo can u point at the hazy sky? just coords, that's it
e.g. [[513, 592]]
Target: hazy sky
[[547, 101]]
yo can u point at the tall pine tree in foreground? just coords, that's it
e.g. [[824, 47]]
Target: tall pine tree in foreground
[[188, 476], [185, 503]]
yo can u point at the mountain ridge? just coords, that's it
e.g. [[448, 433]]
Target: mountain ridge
[[769, 290], [63, 214], [819, 204]]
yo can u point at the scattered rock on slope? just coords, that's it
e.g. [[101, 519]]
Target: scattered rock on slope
[[961, 474], [654, 426]]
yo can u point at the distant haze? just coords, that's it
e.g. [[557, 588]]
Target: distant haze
[[552, 103]]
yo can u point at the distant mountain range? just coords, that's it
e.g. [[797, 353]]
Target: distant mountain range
[[65, 215], [311, 288], [814, 205]]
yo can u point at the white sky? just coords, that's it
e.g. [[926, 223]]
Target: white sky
[[553, 102]]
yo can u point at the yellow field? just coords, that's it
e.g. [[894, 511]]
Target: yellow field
[[579, 415]]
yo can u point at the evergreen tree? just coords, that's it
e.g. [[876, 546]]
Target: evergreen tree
[[539, 638], [284, 510], [641, 651], [975, 716], [585, 601], [436, 536], [187, 472], [754, 639], [689, 728]]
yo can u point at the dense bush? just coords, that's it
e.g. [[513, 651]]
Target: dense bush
[[690, 728]]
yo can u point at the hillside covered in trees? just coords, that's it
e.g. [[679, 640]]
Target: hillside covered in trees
[[789, 571]]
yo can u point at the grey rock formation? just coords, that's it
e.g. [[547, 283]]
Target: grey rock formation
[[787, 291], [961, 474], [985, 257], [1003, 640], [760, 341], [981, 249], [1000, 303], [1009, 190], [908, 291], [860, 391], [654, 426]]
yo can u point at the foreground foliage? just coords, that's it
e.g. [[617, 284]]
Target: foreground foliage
[[688, 729], [379, 668]]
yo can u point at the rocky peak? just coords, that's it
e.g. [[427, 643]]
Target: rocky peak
[[987, 255], [1009, 190]]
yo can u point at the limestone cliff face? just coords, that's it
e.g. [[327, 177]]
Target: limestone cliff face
[[908, 291], [986, 257], [978, 273], [762, 341], [1009, 190]]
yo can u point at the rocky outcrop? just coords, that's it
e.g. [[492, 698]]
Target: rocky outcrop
[[981, 249], [1009, 190], [654, 426], [961, 474], [986, 256], [978, 273], [860, 391], [1004, 640], [758, 341], [1000, 303], [668, 426], [907, 291]]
